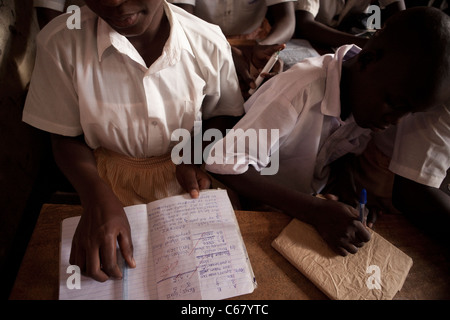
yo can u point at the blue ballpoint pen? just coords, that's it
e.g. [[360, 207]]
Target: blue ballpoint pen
[[362, 205]]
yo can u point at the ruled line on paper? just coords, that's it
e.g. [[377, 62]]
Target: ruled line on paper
[[124, 279], [184, 249]]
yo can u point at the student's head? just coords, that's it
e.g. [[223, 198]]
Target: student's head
[[128, 17], [404, 68]]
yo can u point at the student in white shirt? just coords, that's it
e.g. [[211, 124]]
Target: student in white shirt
[[406, 166], [318, 20], [112, 93], [243, 19], [325, 108]]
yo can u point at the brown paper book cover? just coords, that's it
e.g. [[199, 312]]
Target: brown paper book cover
[[376, 272]]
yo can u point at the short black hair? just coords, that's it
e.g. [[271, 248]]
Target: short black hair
[[421, 36]]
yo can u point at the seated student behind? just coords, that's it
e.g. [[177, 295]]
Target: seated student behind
[[319, 20], [47, 10], [120, 86], [243, 19], [327, 107]]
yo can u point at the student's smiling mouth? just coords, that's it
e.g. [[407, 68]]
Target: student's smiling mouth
[[124, 21]]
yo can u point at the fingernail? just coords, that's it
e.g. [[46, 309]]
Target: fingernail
[[194, 193]]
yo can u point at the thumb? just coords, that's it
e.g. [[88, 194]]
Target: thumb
[[126, 248]]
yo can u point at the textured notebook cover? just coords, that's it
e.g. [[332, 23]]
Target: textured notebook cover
[[376, 272]]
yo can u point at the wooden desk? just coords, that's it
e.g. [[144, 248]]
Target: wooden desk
[[429, 278]]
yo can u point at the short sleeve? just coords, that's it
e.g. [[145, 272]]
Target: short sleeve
[[273, 2], [52, 101], [57, 5], [191, 2], [223, 95], [422, 150], [311, 6], [256, 137]]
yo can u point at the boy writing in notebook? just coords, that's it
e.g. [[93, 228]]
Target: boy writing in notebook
[[135, 72], [326, 107]]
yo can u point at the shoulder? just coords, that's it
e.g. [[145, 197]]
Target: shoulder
[[198, 31], [311, 6], [68, 29], [309, 74]]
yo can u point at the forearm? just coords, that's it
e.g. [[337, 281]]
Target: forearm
[[413, 198], [319, 33], [103, 222], [336, 222], [284, 24], [77, 162], [257, 187]]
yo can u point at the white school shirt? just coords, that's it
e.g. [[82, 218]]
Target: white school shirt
[[332, 12], [92, 81], [304, 104], [58, 5], [419, 146], [234, 17]]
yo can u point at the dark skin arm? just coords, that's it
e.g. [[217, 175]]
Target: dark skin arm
[[190, 176], [282, 30], [103, 221], [318, 33], [336, 222], [283, 26], [414, 198]]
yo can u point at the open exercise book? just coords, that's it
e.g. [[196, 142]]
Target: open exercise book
[[184, 249]]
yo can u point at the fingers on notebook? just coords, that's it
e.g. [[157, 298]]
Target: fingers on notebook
[[126, 248]]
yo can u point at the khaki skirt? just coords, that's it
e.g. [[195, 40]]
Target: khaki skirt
[[138, 180]]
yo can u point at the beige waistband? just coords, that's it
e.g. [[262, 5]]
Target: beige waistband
[[143, 163]]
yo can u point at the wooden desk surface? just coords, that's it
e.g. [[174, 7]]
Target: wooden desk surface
[[429, 277]]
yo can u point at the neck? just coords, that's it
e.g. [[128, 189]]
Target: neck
[[150, 43], [346, 76]]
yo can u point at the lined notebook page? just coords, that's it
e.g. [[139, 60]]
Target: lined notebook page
[[198, 249], [184, 249], [140, 279]]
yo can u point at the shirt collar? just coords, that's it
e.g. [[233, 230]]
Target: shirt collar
[[331, 104], [177, 42]]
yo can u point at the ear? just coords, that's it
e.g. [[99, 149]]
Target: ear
[[367, 58]]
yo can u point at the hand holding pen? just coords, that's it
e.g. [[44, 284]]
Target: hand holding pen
[[265, 59]]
